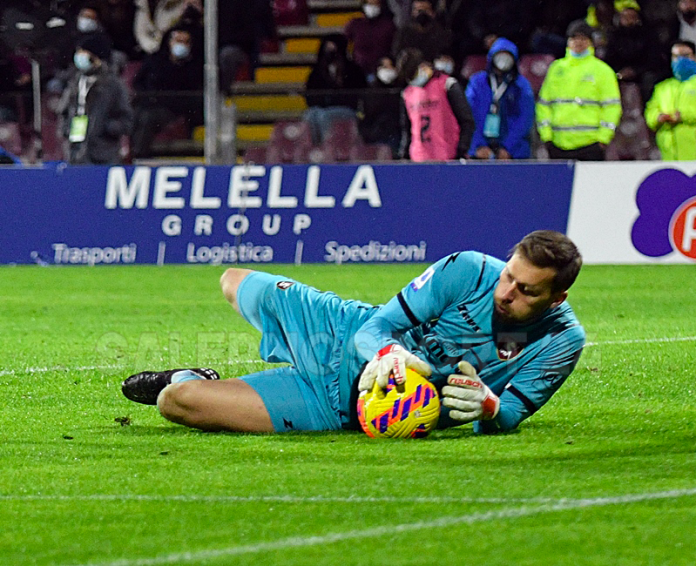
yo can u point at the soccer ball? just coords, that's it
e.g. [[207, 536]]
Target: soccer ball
[[409, 410]]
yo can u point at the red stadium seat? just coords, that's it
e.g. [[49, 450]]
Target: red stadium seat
[[290, 142], [10, 137], [255, 155], [473, 64], [342, 136], [534, 68], [291, 12], [371, 152]]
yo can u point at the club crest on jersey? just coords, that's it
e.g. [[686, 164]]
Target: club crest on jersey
[[284, 284], [510, 344]]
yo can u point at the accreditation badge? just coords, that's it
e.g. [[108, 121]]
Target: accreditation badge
[[78, 129]]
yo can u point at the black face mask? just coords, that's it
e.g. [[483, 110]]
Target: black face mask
[[423, 19], [330, 56], [689, 15]]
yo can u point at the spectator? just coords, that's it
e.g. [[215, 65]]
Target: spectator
[[331, 86], [437, 124], [118, 19], [15, 78], [632, 49], [153, 18], [95, 108], [490, 19], [579, 103], [168, 85], [242, 24], [601, 16], [423, 32], [552, 20], [685, 23], [502, 103], [671, 112], [371, 36], [379, 121]]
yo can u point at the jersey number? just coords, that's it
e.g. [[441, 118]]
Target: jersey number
[[424, 128]]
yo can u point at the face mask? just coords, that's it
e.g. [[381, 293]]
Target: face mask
[[445, 66], [82, 62], [180, 50], [86, 25], [423, 19], [580, 55], [503, 61], [386, 75], [689, 15], [683, 68], [420, 79], [371, 11]]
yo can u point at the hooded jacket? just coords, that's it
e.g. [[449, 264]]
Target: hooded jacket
[[516, 106], [675, 141]]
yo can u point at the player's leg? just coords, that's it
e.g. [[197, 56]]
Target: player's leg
[[275, 400], [229, 404]]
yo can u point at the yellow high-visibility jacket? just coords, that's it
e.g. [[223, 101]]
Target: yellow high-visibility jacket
[[579, 103], [677, 142]]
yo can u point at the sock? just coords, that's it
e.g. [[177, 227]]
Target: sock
[[185, 375]]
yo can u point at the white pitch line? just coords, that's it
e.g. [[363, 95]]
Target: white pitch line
[[390, 530], [32, 370], [642, 341]]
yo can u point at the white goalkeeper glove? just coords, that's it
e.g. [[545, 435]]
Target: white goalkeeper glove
[[469, 398], [391, 359]]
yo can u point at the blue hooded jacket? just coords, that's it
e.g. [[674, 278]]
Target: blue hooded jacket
[[516, 107]]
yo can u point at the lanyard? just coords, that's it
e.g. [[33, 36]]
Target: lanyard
[[84, 83], [498, 92]]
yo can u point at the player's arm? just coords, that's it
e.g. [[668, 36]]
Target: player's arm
[[525, 394], [425, 298]]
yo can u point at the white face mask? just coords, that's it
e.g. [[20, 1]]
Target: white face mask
[[180, 50], [371, 11], [422, 77], [503, 61], [444, 65], [386, 75], [82, 62], [86, 25]]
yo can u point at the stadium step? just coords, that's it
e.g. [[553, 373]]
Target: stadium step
[[285, 75]]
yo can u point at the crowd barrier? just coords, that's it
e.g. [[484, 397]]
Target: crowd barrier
[[640, 212]]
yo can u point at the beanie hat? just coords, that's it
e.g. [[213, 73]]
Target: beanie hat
[[98, 44], [579, 27]]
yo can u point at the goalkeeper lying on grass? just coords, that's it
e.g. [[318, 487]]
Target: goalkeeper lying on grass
[[497, 339]]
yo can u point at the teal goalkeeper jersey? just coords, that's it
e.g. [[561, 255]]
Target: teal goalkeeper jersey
[[446, 315]]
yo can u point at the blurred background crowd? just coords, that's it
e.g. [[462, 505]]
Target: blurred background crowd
[[425, 80]]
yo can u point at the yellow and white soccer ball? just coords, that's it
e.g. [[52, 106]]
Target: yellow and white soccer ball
[[409, 410]]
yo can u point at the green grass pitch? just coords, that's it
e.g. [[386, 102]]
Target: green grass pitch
[[604, 474]]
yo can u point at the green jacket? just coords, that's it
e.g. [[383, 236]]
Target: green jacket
[[579, 103], [677, 142]]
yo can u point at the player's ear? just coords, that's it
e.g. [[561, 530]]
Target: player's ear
[[559, 298]]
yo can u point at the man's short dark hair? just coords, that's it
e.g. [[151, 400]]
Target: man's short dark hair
[[548, 248], [686, 43]]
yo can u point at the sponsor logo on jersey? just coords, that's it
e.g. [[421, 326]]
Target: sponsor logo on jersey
[[510, 344], [666, 224], [284, 284]]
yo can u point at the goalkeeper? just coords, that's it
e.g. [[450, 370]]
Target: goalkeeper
[[496, 338]]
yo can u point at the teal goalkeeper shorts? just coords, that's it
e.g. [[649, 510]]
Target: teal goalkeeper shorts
[[313, 332]]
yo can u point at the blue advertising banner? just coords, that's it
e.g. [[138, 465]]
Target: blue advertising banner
[[283, 214]]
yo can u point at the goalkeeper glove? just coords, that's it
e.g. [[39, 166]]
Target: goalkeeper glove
[[391, 359], [469, 398]]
